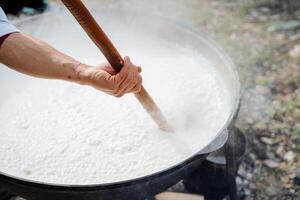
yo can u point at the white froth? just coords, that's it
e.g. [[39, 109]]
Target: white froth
[[58, 132]]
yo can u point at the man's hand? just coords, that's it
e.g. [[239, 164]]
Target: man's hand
[[105, 78], [36, 58]]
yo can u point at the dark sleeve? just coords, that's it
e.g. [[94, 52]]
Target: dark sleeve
[[2, 38], [6, 28]]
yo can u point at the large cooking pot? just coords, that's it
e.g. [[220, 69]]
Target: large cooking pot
[[141, 188]]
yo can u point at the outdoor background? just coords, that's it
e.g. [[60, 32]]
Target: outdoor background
[[263, 39]]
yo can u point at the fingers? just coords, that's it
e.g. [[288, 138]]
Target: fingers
[[139, 69], [122, 75], [136, 87], [128, 80]]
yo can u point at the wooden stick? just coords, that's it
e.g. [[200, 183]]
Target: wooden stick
[[94, 31]]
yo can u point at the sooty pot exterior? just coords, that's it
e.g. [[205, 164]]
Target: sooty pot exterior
[[138, 189]]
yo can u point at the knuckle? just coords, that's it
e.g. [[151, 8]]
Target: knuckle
[[120, 92], [119, 95], [115, 91]]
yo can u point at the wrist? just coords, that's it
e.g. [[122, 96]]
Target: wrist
[[80, 72]]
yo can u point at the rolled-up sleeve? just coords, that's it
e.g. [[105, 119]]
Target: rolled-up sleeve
[[5, 26]]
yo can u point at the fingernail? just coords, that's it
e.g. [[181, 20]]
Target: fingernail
[[139, 69]]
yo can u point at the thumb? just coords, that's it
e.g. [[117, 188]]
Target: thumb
[[109, 69]]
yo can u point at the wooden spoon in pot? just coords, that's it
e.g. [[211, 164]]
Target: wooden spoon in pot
[[94, 31]]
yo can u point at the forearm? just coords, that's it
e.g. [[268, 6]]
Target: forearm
[[36, 58]]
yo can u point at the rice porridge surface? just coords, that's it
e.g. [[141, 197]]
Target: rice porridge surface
[[59, 132]]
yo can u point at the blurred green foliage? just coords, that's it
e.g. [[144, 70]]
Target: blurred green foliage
[[288, 6]]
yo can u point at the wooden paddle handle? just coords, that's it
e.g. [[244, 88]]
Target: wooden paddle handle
[[94, 31]]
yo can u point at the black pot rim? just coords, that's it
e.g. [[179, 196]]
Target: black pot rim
[[95, 187]]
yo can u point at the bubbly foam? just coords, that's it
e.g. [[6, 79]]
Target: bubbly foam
[[59, 132]]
